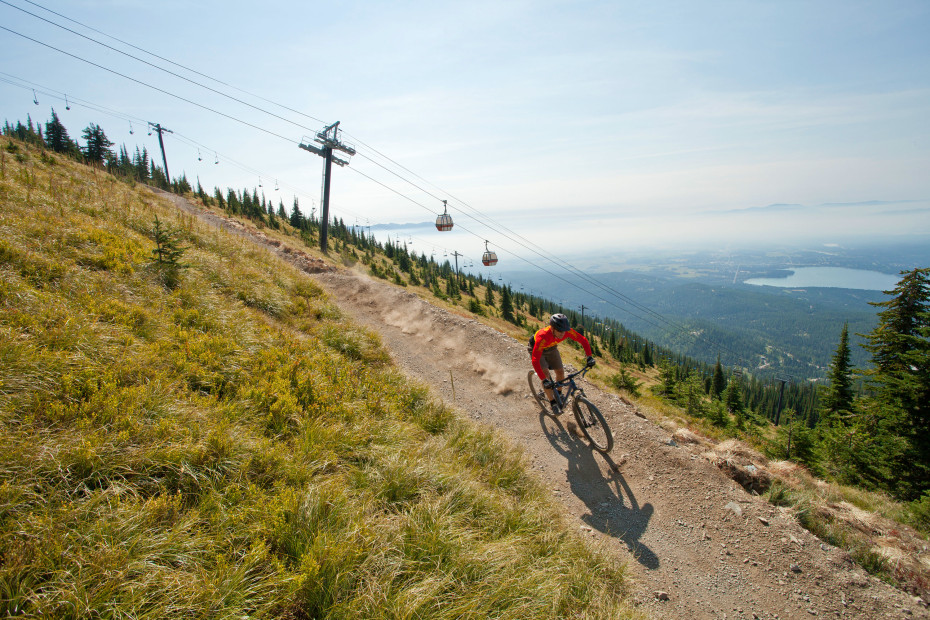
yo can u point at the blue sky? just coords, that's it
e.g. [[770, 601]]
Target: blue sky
[[580, 125]]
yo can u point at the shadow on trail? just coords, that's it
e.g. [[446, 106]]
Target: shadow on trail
[[603, 494]]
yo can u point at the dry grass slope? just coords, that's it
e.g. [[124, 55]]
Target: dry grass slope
[[216, 440]]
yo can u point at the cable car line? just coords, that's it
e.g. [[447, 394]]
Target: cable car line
[[44, 90], [171, 62], [567, 266], [177, 75], [675, 326], [55, 94], [528, 262], [161, 90]]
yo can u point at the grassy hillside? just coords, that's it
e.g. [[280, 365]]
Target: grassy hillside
[[214, 439]]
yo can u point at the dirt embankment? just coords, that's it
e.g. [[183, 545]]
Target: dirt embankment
[[698, 544]]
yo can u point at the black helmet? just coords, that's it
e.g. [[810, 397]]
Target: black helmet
[[559, 322]]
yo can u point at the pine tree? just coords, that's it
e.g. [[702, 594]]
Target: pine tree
[[56, 136], [667, 372], [732, 397], [296, 217], [125, 163], [838, 400], [232, 202], [693, 390], [97, 150], [141, 163], [157, 177], [181, 186], [167, 253], [900, 347], [719, 382], [507, 305], [201, 193], [246, 202]]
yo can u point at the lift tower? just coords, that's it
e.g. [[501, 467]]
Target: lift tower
[[160, 130], [329, 139]]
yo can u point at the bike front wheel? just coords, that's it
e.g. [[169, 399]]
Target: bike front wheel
[[536, 390], [593, 425]]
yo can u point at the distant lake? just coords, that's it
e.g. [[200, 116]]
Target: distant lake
[[831, 277]]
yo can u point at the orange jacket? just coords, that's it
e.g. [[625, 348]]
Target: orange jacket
[[545, 339]]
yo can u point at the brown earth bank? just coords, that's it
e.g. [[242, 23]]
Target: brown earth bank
[[697, 543]]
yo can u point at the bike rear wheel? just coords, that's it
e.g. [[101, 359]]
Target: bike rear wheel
[[536, 390], [593, 425]]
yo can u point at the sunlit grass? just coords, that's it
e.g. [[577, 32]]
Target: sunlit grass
[[229, 445]]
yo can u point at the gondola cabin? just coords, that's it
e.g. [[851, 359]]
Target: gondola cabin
[[489, 258], [444, 221]]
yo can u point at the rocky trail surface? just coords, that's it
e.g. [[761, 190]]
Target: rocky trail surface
[[697, 544]]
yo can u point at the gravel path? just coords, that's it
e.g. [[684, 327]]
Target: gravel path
[[698, 545]]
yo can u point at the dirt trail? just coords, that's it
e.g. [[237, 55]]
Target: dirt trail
[[698, 545]]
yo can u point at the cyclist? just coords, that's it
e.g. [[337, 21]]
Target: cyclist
[[544, 353]]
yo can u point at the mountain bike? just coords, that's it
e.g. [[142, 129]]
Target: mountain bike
[[588, 416]]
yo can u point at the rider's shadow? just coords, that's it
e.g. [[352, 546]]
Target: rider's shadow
[[608, 511]]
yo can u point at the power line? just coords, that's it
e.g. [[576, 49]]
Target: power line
[[171, 62], [523, 241], [50, 92], [213, 90], [565, 265], [526, 244], [540, 252], [555, 275], [161, 90]]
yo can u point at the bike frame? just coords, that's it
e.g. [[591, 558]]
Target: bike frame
[[573, 388]]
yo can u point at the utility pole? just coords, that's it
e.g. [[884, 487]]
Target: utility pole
[[157, 127], [456, 255], [329, 138], [582, 316]]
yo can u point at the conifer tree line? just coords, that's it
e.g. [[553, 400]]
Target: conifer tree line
[[868, 427], [882, 438], [97, 151]]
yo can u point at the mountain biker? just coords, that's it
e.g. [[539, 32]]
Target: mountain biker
[[544, 353]]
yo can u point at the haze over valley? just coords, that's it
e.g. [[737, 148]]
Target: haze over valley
[[703, 302]]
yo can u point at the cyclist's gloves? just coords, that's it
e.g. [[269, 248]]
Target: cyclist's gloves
[[590, 361], [548, 384]]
